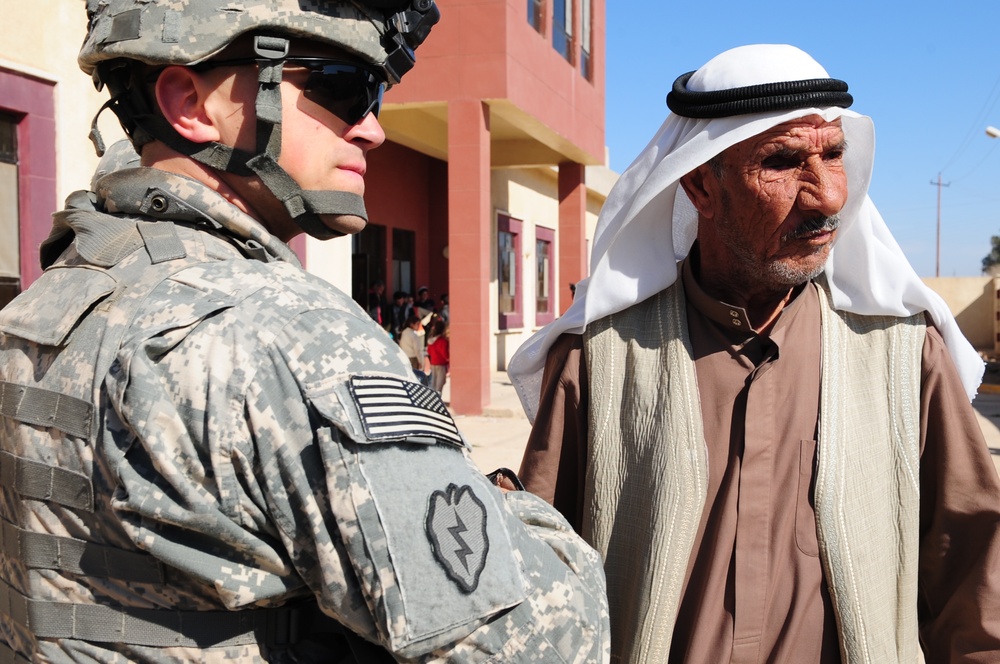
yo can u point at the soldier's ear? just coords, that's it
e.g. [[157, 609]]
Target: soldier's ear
[[701, 187], [185, 100]]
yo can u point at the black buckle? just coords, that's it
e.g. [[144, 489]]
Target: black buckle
[[281, 627]]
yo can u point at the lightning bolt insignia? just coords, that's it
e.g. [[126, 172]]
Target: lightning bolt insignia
[[463, 551], [456, 528]]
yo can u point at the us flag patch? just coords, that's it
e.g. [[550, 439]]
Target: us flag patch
[[396, 408]]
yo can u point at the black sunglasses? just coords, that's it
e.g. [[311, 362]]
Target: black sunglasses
[[347, 90]]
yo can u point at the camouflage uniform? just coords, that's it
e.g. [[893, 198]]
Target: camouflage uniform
[[201, 443]]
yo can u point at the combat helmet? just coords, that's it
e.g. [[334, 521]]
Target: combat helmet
[[380, 34]]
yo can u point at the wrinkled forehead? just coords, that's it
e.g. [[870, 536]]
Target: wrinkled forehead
[[801, 136], [805, 130]]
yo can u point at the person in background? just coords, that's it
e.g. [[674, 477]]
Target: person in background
[[438, 353], [754, 409], [378, 306], [424, 304], [198, 464], [445, 311], [398, 314], [412, 341]]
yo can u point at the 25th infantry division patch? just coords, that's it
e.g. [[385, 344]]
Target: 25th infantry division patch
[[456, 527]]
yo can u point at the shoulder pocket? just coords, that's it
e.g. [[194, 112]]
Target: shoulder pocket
[[373, 409], [71, 293], [430, 537]]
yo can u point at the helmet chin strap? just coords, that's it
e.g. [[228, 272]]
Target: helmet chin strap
[[321, 214]]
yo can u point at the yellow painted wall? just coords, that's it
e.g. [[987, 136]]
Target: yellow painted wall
[[970, 300]]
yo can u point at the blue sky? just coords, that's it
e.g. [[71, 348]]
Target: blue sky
[[927, 73]]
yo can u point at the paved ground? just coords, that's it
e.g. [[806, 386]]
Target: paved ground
[[499, 435]]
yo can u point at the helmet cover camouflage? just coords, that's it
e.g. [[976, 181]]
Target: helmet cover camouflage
[[186, 32]]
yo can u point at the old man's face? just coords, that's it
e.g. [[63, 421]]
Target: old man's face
[[772, 203]]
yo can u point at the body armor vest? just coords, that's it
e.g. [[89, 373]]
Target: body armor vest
[[70, 577]]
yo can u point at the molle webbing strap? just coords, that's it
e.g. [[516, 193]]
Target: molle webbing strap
[[38, 481], [156, 628], [43, 551], [766, 97], [161, 240], [149, 627], [45, 408]]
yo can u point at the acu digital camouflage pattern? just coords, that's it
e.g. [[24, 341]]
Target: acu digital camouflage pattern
[[230, 467], [184, 32], [119, 156]]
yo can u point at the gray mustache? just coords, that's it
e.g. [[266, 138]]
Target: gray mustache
[[816, 225]]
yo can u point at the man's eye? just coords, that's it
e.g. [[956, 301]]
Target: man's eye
[[780, 162], [834, 155]]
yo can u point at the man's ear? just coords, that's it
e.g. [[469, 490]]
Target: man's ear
[[701, 188], [182, 94]]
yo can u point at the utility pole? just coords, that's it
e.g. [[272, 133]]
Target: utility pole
[[937, 264]]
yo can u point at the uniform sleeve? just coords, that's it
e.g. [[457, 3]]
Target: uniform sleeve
[[959, 573], [393, 528], [246, 463], [555, 462]]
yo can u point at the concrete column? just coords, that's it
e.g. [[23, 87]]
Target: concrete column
[[469, 242], [572, 230]]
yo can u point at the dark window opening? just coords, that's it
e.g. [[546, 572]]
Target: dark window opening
[[562, 28], [509, 272], [535, 15]]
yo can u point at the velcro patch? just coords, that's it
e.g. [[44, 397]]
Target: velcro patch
[[456, 527], [393, 408], [125, 26]]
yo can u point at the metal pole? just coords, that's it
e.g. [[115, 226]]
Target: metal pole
[[937, 263]]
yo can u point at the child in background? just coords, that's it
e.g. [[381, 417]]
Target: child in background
[[438, 353], [412, 342]]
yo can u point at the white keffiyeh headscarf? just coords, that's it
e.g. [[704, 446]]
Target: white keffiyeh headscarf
[[648, 223]]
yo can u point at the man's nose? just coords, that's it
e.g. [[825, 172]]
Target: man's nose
[[368, 130], [825, 191]]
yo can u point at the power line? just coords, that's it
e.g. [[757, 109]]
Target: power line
[[978, 123], [978, 164]]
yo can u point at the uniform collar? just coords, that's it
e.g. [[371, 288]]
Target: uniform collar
[[158, 194]]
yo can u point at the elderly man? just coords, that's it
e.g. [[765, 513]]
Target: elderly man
[[769, 441], [210, 455]]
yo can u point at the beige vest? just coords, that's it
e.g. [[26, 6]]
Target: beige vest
[[647, 474]]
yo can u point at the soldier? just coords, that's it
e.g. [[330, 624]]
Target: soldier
[[210, 455]]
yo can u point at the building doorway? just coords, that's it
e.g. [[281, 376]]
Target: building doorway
[[404, 245], [367, 261]]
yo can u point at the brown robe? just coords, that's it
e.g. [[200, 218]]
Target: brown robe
[[754, 589]]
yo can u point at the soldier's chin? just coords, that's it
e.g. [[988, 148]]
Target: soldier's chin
[[345, 224]]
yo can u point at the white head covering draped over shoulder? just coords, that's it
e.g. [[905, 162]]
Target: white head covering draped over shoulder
[[648, 223]]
